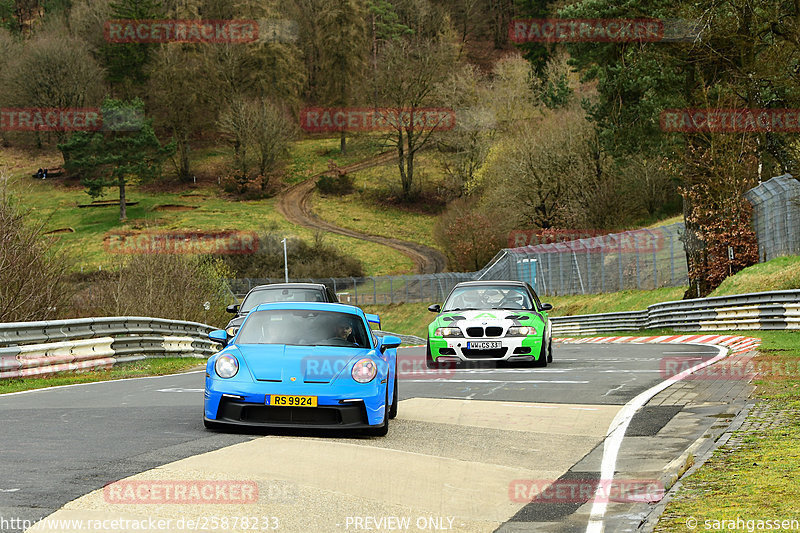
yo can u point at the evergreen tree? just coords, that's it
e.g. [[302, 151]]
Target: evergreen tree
[[126, 62], [125, 150]]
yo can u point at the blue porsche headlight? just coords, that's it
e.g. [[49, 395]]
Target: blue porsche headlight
[[226, 366], [365, 371]]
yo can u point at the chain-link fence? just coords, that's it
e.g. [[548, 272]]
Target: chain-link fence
[[640, 259], [776, 216], [375, 290]]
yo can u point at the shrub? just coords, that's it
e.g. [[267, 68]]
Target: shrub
[[335, 181], [316, 260], [33, 269], [160, 286], [470, 236], [246, 188]]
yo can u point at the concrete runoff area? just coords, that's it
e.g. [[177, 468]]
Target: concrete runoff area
[[362, 480]]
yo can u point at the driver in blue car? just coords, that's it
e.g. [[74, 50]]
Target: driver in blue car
[[344, 330]]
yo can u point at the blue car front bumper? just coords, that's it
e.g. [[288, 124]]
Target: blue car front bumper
[[341, 406]]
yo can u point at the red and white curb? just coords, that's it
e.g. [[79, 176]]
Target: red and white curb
[[735, 344]]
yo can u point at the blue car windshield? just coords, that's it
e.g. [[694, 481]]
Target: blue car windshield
[[304, 328], [266, 296]]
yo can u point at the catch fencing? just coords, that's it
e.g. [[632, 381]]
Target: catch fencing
[[774, 310], [639, 259], [36, 348], [776, 216], [374, 290]]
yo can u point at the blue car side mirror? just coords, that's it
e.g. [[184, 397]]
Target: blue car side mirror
[[219, 335], [389, 341]]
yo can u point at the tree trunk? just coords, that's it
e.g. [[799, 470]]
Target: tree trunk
[[123, 212], [696, 258], [409, 174], [401, 160], [183, 153]]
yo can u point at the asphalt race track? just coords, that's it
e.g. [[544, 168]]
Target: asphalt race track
[[464, 454]]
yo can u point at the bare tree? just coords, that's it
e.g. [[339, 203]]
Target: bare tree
[[463, 149], [513, 95], [552, 173], [53, 70], [260, 127], [181, 99], [87, 20], [8, 48], [408, 75], [236, 123], [273, 129]]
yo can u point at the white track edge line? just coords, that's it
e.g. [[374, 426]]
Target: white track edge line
[[616, 432]]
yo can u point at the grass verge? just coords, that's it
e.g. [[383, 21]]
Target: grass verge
[[408, 319], [781, 273], [134, 369]]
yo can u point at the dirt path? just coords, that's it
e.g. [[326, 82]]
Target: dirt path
[[295, 204]]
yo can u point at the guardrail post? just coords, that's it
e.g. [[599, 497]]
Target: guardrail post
[[636, 251], [655, 259], [355, 289], [603, 266], [588, 270], [619, 262], [672, 259]]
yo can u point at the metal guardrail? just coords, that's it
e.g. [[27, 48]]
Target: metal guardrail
[[35, 348], [761, 310], [408, 340], [577, 325]]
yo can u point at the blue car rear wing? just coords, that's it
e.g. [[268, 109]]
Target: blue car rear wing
[[373, 319]]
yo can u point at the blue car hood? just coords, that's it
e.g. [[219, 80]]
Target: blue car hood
[[309, 364]]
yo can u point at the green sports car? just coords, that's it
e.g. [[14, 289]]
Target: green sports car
[[490, 321]]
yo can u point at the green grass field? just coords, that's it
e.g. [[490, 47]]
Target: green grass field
[[200, 207], [134, 369], [361, 212], [781, 273], [309, 157]]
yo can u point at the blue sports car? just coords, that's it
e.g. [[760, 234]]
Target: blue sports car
[[303, 364]]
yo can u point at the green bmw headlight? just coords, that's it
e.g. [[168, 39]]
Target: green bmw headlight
[[448, 332], [520, 331]]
